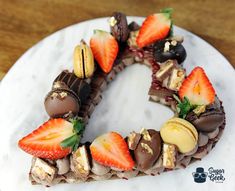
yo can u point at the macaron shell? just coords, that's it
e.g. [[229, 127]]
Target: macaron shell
[[77, 66], [89, 68], [180, 133], [120, 30], [185, 123]]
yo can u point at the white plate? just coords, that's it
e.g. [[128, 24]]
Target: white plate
[[125, 107]]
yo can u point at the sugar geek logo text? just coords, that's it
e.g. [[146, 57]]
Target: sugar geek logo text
[[212, 174], [216, 175]]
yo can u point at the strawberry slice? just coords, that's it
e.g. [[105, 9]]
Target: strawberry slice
[[104, 48], [154, 27], [111, 150], [52, 140], [197, 88]]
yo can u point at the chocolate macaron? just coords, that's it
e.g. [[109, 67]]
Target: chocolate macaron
[[119, 27], [209, 120]]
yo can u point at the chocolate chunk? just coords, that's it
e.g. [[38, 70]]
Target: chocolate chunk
[[83, 91], [169, 49], [68, 80], [165, 70], [161, 92], [148, 150], [59, 102], [119, 27]]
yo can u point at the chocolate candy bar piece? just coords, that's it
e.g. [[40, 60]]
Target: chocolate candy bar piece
[[169, 155]]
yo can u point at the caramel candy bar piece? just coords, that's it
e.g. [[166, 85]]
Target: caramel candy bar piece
[[80, 163], [165, 70], [133, 140], [42, 172], [176, 78], [169, 155]]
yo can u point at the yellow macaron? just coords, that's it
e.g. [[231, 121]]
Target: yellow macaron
[[181, 133]]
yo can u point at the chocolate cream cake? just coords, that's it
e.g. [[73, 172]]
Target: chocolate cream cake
[[195, 129]]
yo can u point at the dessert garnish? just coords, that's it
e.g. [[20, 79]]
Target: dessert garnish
[[195, 92], [181, 133], [197, 88], [119, 27], [111, 150], [80, 164], [105, 49], [166, 49], [184, 106], [54, 139], [155, 27], [169, 156], [209, 120], [83, 61], [148, 149]]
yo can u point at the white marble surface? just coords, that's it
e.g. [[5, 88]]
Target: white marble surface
[[23, 89]]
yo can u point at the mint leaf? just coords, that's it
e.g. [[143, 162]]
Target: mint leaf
[[184, 106]]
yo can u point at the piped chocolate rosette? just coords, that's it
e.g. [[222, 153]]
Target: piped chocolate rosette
[[199, 121]]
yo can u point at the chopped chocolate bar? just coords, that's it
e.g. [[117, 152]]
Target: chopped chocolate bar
[[169, 155], [80, 163]]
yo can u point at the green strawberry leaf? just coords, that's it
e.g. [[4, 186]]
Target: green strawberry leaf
[[184, 106], [168, 13], [167, 10], [69, 142], [78, 125], [74, 141], [171, 33], [75, 146]]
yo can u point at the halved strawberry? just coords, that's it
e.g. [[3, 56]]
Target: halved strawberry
[[197, 88], [111, 150], [104, 48], [48, 139], [154, 27]]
